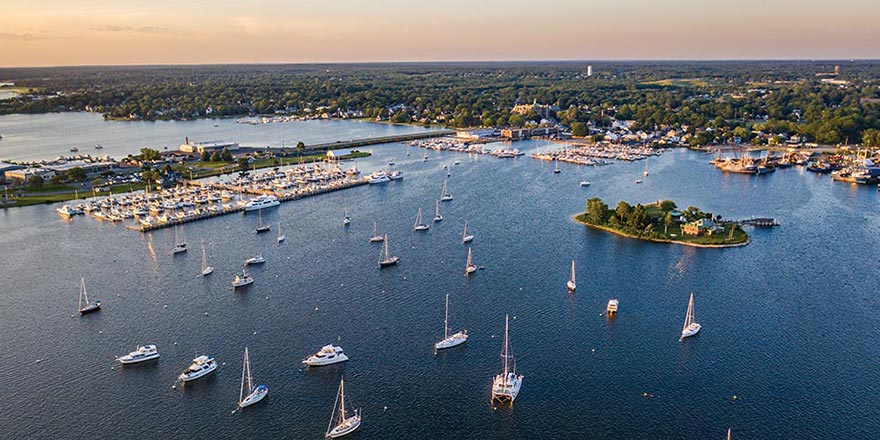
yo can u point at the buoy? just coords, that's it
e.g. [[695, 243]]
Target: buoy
[[175, 343], [166, 306], [173, 387], [316, 309], [223, 364], [255, 332], [594, 350], [100, 332], [206, 313], [384, 408], [267, 297]]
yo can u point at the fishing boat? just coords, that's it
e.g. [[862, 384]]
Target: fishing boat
[[261, 228], [200, 367], [142, 353], [466, 236], [444, 194], [638, 181], [470, 267], [385, 258], [242, 279], [255, 393], [179, 246], [611, 308], [437, 216], [571, 284], [281, 237], [419, 226], [506, 385], [343, 425], [376, 238], [556, 167], [255, 260], [328, 355], [206, 270], [85, 306], [690, 327], [453, 340]]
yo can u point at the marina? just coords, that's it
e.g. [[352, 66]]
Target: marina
[[598, 155]]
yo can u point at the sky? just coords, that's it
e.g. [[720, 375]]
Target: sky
[[125, 32]]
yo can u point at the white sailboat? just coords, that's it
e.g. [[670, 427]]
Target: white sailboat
[[453, 340], [437, 216], [281, 237], [206, 270], [376, 238], [344, 425], [645, 173], [506, 385], [261, 227], [444, 195], [346, 220], [470, 267], [571, 284], [84, 306], [419, 226], [466, 236], [556, 167], [385, 258], [255, 393], [179, 246], [729, 433], [691, 327]]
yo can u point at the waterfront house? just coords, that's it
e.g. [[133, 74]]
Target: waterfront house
[[702, 226]]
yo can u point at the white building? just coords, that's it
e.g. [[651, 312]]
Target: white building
[[209, 146]]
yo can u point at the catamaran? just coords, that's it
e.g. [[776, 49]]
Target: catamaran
[[179, 246], [571, 284], [470, 267], [84, 305], [453, 340], [344, 425], [376, 238], [437, 216], [466, 236], [444, 195], [142, 353], [506, 385], [690, 327], [419, 226], [256, 393], [261, 227], [206, 270], [281, 237], [385, 258]]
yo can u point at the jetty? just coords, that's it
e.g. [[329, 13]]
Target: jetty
[[354, 143]]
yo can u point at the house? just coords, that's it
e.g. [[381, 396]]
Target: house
[[515, 133], [702, 226]]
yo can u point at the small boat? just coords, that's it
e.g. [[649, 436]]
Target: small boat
[[261, 228], [444, 194], [67, 211], [571, 284], [385, 259], [611, 309], [255, 393], [425, 157], [376, 238], [255, 260], [556, 167], [437, 216], [396, 175], [281, 237], [74, 150], [470, 267], [142, 353], [329, 355], [585, 183], [419, 226], [379, 177], [453, 340], [85, 306], [466, 237], [242, 279], [506, 385], [179, 246], [457, 162], [346, 220], [690, 327], [200, 367], [391, 164], [206, 270], [729, 431], [344, 425], [99, 147], [638, 181]]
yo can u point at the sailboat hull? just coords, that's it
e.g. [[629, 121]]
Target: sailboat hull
[[571, 286], [452, 341], [690, 330], [347, 426], [389, 262], [207, 271], [90, 309], [506, 391], [258, 394]]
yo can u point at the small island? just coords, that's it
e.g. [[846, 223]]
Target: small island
[[663, 222]]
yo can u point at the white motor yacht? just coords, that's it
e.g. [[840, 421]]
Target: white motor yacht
[[241, 280], [201, 366], [396, 175], [379, 177], [329, 355], [143, 353], [255, 260], [261, 203]]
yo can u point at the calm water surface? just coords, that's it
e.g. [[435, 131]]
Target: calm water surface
[[789, 322]]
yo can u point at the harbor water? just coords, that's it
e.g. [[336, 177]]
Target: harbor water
[[788, 347]]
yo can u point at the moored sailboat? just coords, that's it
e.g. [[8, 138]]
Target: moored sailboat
[[571, 284], [261, 228], [84, 306], [206, 270], [281, 237], [179, 246], [437, 216], [691, 327], [506, 385], [385, 258], [444, 195], [419, 226], [376, 238], [343, 425], [470, 267], [453, 340], [255, 393], [466, 236]]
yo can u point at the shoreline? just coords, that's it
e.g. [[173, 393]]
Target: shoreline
[[657, 240]]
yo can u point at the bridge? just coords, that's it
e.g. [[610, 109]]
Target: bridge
[[354, 143]]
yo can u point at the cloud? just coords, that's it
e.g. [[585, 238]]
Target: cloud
[[21, 36], [139, 29]]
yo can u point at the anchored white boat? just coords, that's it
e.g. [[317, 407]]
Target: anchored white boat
[[379, 177], [470, 267], [419, 226], [556, 167], [255, 260], [200, 367], [329, 355], [261, 202], [571, 284], [691, 327], [143, 353], [437, 216], [453, 340], [262, 227], [179, 245], [281, 237], [242, 279], [396, 175], [585, 183], [444, 195], [85, 306], [255, 393], [385, 258], [506, 385], [611, 309], [343, 425], [376, 238], [466, 237], [206, 270]]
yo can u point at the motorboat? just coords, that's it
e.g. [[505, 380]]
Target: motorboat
[[379, 177], [255, 260], [241, 280], [396, 175], [611, 309], [200, 367], [585, 183], [329, 355], [143, 353], [261, 202]]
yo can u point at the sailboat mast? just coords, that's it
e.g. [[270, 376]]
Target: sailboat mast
[[446, 319], [464, 233], [243, 375], [506, 367], [247, 363], [572, 272], [689, 317], [341, 400], [82, 292]]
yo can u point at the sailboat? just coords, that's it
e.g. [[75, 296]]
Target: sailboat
[[419, 226], [466, 237], [281, 237], [206, 270], [179, 246], [690, 327], [444, 195], [261, 227], [571, 284], [344, 425], [556, 166], [425, 157], [255, 393], [729, 433], [437, 216], [450, 341], [84, 306], [470, 267], [506, 385], [376, 238], [645, 173], [345, 218], [385, 259]]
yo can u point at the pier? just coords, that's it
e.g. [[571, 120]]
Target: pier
[[764, 222]]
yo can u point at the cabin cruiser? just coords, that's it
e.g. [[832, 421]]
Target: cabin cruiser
[[379, 177], [396, 175], [241, 280], [329, 354], [201, 366], [261, 202], [612, 307], [143, 353], [255, 260], [66, 210]]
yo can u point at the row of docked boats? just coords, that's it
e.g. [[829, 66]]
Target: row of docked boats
[[383, 176], [598, 155], [444, 144]]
